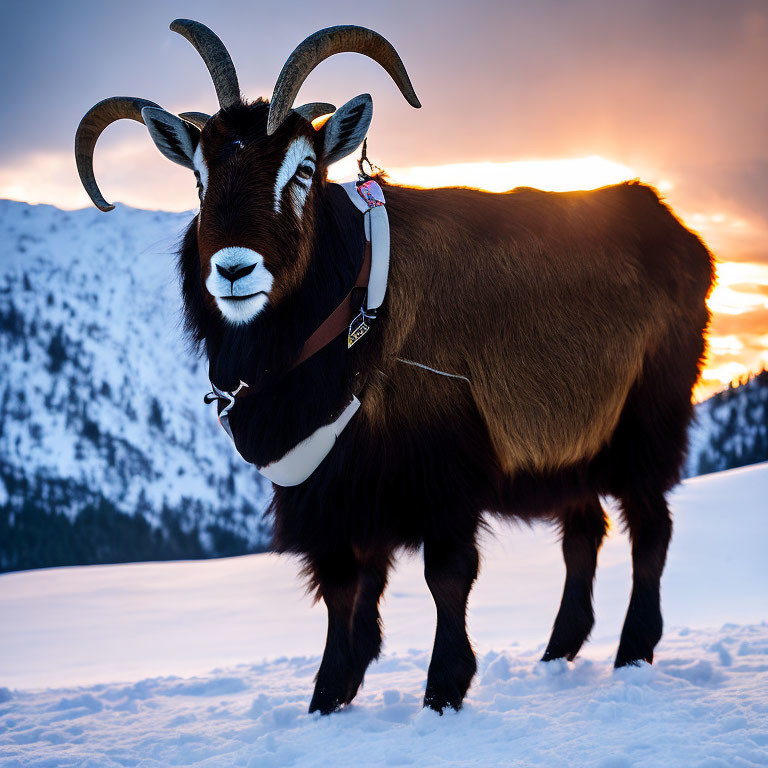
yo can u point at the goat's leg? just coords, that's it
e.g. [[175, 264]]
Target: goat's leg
[[351, 593], [366, 621], [650, 529], [337, 580], [450, 569], [583, 527]]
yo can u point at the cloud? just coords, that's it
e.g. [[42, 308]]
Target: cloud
[[754, 322], [750, 288]]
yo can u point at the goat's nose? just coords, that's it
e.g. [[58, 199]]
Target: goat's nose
[[234, 272]]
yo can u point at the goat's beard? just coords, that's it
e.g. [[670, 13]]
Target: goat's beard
[[240, 310]]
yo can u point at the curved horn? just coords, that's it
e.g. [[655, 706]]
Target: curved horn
[[198, 119], [96, 119], [319, 47], [314, 109], [216, 58]]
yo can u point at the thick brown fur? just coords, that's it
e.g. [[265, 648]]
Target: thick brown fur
[[577, 320]]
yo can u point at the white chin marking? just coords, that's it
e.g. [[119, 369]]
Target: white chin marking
[[241, 298], [240, 311]]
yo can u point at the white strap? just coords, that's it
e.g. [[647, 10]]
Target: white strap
[[376, 224], [302, 460], [350, 187], [379, 237]]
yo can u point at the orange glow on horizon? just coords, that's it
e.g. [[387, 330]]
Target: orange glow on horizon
[[550, 174], [741, 287], [555, 175]]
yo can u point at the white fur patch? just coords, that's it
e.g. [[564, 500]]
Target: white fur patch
[[239, 300], [243, 310], [299, 151], [198, 161]]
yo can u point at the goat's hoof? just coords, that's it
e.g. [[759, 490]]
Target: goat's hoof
[[568, 635], [554, 653], [640, 635], [632, 660], [325, 702], [440, 697]]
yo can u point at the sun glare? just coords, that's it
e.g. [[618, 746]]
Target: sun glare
[[550, 175], [724, 374], [556, 175], [723, 345], [741, 287]]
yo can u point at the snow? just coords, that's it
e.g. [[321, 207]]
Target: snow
[[690, 710], [112, 665]]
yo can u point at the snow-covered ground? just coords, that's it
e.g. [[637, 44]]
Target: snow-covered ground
[[111, 666]]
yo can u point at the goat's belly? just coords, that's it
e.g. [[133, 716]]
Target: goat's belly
[[556, 402], [536, 436]]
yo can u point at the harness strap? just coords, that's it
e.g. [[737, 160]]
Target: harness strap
[[339, 320]]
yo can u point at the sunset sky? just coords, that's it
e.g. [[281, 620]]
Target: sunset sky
[[552, 94]]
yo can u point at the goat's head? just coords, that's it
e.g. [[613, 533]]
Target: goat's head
[[259, 166]]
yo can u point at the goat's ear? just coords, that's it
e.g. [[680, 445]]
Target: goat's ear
[[345, 130], [175, 138]]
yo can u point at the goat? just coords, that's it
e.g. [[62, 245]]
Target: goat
[[572, 326]]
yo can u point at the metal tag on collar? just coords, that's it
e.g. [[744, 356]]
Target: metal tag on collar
[[220, 394], [359, 326]]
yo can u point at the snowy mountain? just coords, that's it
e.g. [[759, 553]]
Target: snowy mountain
[[211, 663], [107, 452], [731, 428]]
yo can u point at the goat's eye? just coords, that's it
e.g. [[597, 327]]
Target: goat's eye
[[200, 190], [305, 171]]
